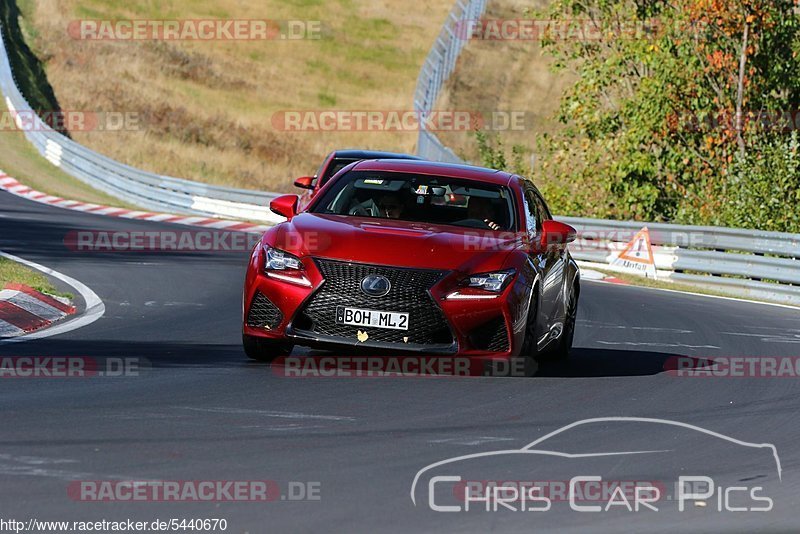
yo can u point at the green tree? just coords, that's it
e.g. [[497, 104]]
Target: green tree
[[674, 109]]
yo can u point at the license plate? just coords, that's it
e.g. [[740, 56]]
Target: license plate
[[373, 318]]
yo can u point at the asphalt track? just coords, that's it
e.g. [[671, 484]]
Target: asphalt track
[[203, 412]]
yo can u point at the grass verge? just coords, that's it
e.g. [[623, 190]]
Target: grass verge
[[14, 273], [20, 160]]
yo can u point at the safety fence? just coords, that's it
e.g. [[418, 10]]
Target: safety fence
[[436, 70], [749, 263]]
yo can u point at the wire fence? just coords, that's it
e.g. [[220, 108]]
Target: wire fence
[[436, 69]]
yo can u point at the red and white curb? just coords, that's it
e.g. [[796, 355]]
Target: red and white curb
[[94, 308], [24, 310], [11, 185]]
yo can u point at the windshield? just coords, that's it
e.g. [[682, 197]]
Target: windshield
[[420, 198]]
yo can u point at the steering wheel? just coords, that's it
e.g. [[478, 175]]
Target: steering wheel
[[360, 211], [473, 223]]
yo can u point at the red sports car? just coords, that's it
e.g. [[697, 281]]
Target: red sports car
[[414, 256]]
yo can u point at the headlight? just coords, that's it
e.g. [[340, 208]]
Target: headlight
[[278, 260], [283, 266], [494, 282], [483, 286]]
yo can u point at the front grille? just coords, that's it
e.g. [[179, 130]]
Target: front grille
[[263, 313], [409, 294], [491, 336]]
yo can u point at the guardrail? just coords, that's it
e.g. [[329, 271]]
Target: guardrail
[[145, 189], [750, 263], [436, 70]]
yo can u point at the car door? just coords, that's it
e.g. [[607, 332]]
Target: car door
[[556, 261], [545, 258], [538, 256]]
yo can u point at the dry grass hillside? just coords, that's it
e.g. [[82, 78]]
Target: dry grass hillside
[[507, 76], [205, 108]]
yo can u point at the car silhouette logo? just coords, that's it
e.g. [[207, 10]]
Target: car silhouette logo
[[376, 285], [537, 449]]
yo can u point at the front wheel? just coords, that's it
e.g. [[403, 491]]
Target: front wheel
[[264, 350], [530, 345]]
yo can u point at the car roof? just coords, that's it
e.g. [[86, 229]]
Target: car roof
[[450, 170], [371, 154]]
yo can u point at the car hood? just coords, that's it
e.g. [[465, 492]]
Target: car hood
[[391, 242]]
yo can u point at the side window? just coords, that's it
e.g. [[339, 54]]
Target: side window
[[533, 217], [324, 166], [544, 213], [321, 168]]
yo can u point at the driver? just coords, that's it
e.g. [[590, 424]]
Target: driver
[[390, 207], [482, 209]]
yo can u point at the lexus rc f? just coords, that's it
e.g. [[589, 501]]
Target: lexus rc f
[[414, 256]]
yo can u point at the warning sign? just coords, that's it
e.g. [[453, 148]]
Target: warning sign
[[637, 256]]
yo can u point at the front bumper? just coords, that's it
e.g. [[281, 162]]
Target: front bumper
[[305, 316]]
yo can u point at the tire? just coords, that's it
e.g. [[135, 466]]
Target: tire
[[530, 346], [564, 346], [264, 350]]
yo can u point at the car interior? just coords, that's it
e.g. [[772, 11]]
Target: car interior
[[429, 199]]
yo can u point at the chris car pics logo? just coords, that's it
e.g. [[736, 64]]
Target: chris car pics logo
[[480, 482]]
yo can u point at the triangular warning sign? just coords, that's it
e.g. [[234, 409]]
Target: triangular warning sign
[[637, 256]]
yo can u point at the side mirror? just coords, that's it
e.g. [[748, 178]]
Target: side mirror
[[285, 205], [306, 182], [557, 233]]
